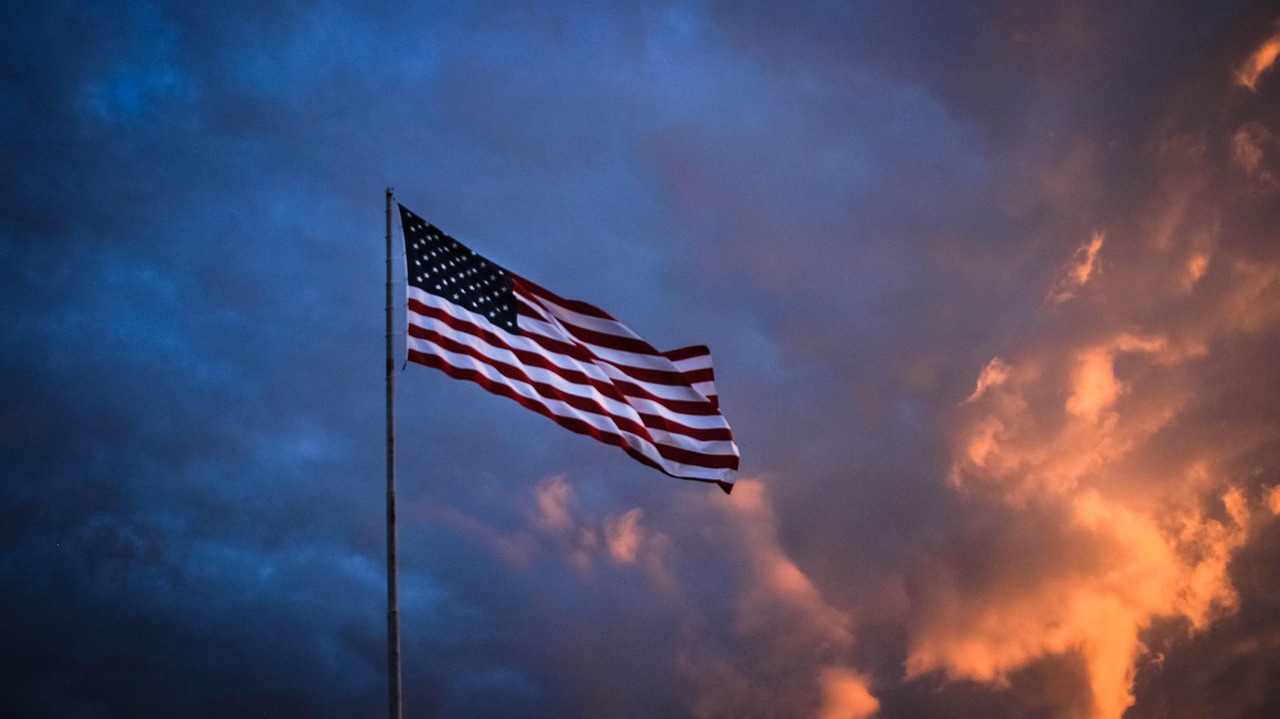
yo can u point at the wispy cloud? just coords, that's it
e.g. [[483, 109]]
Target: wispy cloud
[[1082, 268], [1258, 62]]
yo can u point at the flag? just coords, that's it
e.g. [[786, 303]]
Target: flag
[[565, 359]]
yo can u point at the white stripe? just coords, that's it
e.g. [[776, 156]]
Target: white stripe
[[622, 358], [601, 422], [702, 361], [514, 341], [602, 372], [605, 371], [555, 316], [693, 364], [630, 410], [577, 319], [685, 392]]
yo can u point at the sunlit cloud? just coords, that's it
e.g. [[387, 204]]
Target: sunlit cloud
[[779, 624], [1259, 62], [780, 583], [1124, 565], [554, 499], [1083, 267], [1273, 500], [1254, 301], [1129, 571], [1094, 385], [622, 535], [1067, 433], [556, 507], [845, 695], [1248, 148], [780, 611], [1195, 267], [995, 373]]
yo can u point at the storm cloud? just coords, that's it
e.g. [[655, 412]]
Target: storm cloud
[[993, 291]]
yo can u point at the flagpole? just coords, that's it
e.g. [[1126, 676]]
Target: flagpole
[[393, 592]]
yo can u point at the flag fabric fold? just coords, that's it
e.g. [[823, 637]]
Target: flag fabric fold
[[565, 359]]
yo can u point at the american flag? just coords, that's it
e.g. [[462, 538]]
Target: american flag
[[565, 359]]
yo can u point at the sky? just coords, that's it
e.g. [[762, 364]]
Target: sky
[[993, 291]]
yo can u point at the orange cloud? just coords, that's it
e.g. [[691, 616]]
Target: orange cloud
[[1194, 269], [1130, 567], [1106, 527], [623, 534], [1094, 385], [845, 695], [780, 584], [1253, 303], [1248, 152], [1083, 266], [1246, 147], [554, 499], [995, 373], [556, 515], [1259, 62], [796, 638]]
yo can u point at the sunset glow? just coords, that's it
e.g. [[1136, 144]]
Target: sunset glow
[[992, 290]]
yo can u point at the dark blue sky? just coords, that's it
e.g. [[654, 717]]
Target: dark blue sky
[[993, 291]]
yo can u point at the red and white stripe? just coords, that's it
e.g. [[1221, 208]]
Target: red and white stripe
[[591, 374]]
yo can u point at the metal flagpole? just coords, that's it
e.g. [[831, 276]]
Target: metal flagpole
[[393, 592]]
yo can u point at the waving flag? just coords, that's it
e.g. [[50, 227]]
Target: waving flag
[[565, 359]]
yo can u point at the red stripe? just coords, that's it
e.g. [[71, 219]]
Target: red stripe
[[517, 372], [595, 337], [581, 353], [623, 344], [615, 389], [586, 404], [532, 288], [700, 375], [620, 391], [676, 454], [642, 374], [685, 353]]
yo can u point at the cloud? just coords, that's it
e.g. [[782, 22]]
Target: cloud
[[994, 295], [1248, 147], [994, 374], [779, 583], [1258, 62], [1083, 267], [801, 641], [554, 500], [1117, 564], [1253, 302], [768, 638], [623, 535], [845, 696], [1121, 526], [1127, 572]]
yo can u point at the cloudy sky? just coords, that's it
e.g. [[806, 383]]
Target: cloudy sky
[[993, 291]]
